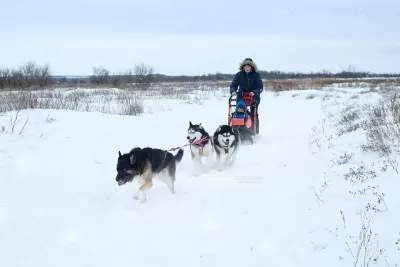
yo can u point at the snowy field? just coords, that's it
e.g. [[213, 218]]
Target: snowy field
[[312, 192]]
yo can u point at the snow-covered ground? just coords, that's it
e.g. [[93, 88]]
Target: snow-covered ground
[[286, 202]]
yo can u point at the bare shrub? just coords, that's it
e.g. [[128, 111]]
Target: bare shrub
[[344, 158], [321, 191], [100, 75], [14, 122], [366, 248], [382, 129], [169, 92], [18, 101], [143, 76], [360, 175], [50, 119], [362, 192], [380, 205], [380, 197], [348, 120], [326, 97], [194, 100], [130, 104], [310, 96]]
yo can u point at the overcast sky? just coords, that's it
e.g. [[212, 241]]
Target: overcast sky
[[199, 37]]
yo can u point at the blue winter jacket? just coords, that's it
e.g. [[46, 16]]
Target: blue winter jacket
[[247, 82], [240, 104]]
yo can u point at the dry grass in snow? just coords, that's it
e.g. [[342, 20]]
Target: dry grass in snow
[[360, 134], [113, 101]]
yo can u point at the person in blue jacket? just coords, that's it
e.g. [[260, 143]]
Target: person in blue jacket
[[248, 80]]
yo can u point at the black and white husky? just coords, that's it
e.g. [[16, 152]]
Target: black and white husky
[[143, 164], [226, 144], [200, 150]]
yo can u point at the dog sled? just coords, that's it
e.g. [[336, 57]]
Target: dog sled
[[242, 115]]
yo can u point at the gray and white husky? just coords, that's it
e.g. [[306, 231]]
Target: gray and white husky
[[202, 149], [226, 144]]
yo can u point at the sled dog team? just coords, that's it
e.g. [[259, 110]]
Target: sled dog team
[[145, 163]]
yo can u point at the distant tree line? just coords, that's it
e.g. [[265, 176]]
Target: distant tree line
[[27, 76], [141, 77], [32, 75]]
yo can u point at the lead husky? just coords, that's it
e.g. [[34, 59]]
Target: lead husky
[[143, 164], [201, 150], [227, 143]]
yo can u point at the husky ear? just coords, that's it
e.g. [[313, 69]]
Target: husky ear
[[132, 158], [119, 154], [190, 124]]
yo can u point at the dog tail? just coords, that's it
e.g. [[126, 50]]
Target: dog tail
[[178, 157]]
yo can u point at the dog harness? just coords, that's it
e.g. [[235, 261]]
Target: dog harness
[[200, 146], [197, 142], [165, 156]]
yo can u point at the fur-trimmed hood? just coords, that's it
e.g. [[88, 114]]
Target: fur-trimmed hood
[[248, 61]]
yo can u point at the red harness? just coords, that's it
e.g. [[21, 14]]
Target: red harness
[[197, 142], [200, 145]]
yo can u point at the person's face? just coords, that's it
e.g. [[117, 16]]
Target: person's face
[[247, 68]]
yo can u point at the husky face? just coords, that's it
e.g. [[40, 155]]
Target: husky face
[[195, 132], [226, 136], [125, 168]]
